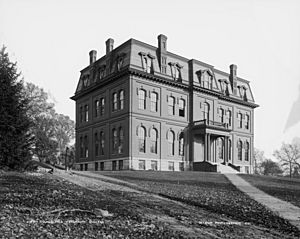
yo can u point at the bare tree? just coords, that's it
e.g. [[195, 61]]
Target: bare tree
[[289, 156], [258, 158]]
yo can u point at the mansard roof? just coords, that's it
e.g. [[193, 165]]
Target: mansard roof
[[128, 56]]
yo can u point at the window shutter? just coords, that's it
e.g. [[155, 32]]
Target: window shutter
[[167, 98], [200, 105], [145, 94], [137, 91]]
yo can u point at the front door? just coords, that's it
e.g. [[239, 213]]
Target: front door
[[220, 150]]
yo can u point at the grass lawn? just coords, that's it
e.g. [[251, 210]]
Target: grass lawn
[[281, 187], [211, 191], [46, 207]]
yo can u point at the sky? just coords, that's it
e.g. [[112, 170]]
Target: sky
[[51, 40]]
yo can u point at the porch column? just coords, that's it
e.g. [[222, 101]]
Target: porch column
[[205, 147], [208, 148], [226, 150]]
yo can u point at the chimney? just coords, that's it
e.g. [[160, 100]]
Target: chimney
[[162, 53], [162, 42], [233, 78], [93, 56], [109, 45]]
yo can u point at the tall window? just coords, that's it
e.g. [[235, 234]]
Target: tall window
[[121, 140], [81, 147], [229, 149], [181, 144], [97, 108], [142, 99], [240, 119], [142, 139], [171, 105], [247, 151], [114, 141], [153, 137], [206, 111], [154, 105], [86, 113], [96, 144], [182, 107], [229, 117], [86, 147], [102, 106], [115, 102], [102, 143], [171, 142], [221, 111], [81, 114], [240, 146], [247, 126], [121, 99]]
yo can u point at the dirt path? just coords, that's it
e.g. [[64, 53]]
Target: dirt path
[[187, 220], [283, 208]]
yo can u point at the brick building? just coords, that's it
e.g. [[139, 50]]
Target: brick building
[[144, 108]]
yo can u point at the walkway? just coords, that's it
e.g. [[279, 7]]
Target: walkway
[[285, 209]]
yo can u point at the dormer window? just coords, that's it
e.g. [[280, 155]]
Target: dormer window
[[147, 62], [101, 72], [176, 70], [205, 79], [120, 61], [86, 81], [243, 92], [224, 86]]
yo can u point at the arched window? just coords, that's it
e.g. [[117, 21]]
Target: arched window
[[114, 141], [121, 140], [240, 119], [96, 144], [247, 151], [153, 138], [221, 148], [81, 114], [229, 117], [171, 142], [102, 143], [229, 149], [247, 122], [142, 139], [97, 108], [102, 106], [86, 113], [115, 102], [182, 107], [171, 105], [206, 111], [86, 147], [154, 105], [240, 146], [121, 99], [181, 144], [81, 147], [142, 99], [221, 115]]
